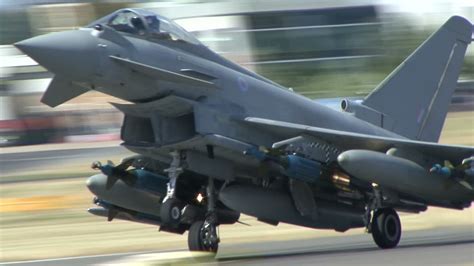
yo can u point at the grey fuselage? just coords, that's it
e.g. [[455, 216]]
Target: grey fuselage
[[239, 93]]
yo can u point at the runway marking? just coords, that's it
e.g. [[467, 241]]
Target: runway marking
[[88, 257], [74, 258], [36, 203], [183, 257]]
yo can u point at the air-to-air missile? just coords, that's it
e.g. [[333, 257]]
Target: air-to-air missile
[[144, 192], [142, 195]]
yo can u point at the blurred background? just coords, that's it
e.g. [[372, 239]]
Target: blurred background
[[319, 48]]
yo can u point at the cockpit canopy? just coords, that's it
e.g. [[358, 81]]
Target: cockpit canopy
[[145, 23]]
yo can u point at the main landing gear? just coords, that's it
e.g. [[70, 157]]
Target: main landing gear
[[204, 235], [384, 224], [386, 228]]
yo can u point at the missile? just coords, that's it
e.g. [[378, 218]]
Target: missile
[[190, 214], [115, 173], [402, 175], [293, 166], [274, 205], [141, 200], [144, 195]]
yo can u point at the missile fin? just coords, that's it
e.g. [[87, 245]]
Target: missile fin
[[111, 180], [111, 214], [466, 184]]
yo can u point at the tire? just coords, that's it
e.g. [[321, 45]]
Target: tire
[[386, 228], [170, 212], [196, 236]]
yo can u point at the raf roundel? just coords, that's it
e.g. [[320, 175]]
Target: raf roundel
[[243, 85]]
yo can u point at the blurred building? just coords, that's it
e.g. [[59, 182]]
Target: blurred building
[[288, 44]]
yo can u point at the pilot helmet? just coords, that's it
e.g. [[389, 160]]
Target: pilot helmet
[[137, 23]]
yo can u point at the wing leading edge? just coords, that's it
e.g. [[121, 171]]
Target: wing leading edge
[[350, 140]]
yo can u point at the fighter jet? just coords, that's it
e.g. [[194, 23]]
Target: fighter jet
[[214, 140]]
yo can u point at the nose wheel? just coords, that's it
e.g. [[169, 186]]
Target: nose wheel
[[386, 228], [170, 211]]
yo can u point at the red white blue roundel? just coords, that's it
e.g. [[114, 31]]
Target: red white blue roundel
[[243, 85]]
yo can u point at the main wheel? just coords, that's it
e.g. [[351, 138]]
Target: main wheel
[[170, 211], [202, 236], [386, 228]]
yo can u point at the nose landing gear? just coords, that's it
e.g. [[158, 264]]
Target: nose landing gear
[[171, 208], [203, 234]]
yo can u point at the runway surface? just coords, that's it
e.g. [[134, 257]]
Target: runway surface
[[33, 160], [438, 246]]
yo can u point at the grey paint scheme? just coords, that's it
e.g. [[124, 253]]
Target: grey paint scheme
[[257, 202], [184, 97], [424, 82], [410, 176]]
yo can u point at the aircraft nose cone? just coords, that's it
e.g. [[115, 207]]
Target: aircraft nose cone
[[96, 184], [71, 54]]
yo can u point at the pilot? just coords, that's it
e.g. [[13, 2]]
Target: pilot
[[154, 26], [138, 25], [153, 23]]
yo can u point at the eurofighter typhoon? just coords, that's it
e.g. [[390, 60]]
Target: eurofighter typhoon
[[214, 140]]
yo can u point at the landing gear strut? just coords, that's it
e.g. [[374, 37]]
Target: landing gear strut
[[386, 228], [204, 235], [170, 211], [383, 223]]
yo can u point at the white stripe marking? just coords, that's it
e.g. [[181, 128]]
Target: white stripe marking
[[89, 257]]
